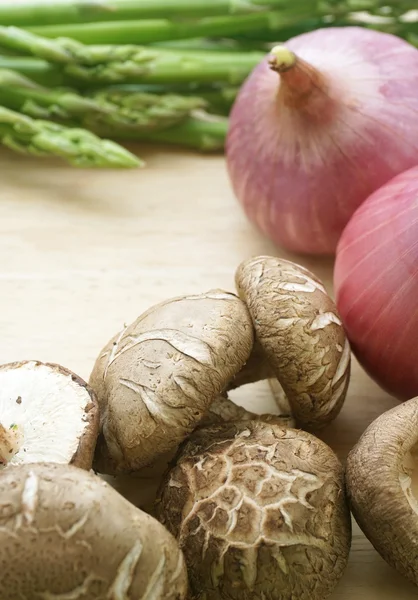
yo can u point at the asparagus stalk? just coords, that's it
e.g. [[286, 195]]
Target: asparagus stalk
[[119, 108], [213, 45], [261, 36], [87, 11], [25, 96], [45, 75], [32, 13], [204, 133], [152, 31], [79, 147], [92, 65], [40, 71], [218, 100], [15, 39], [140, 111]]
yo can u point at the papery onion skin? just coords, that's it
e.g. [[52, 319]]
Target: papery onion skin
[[376, 284], [300, 179]]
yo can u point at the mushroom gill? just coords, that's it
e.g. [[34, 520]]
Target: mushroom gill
[[47, 414]]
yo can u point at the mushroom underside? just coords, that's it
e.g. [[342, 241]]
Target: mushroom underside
[[47, 414], [382, 486]]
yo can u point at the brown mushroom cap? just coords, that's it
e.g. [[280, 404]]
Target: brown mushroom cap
[[47, 414], [259, 512], [65, 533], [300, 332], [156, 379], [378, 476]]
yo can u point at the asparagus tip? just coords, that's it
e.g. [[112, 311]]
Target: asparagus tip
[[120, 157]]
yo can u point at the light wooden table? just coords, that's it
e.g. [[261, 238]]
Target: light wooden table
[[84, 251]]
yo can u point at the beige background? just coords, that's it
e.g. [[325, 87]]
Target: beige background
[[84, 251]]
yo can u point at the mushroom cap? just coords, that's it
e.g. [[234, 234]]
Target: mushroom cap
[[65, 533], [259, 512], [53, 411], [378, 477], [298, 327], [156, 379]]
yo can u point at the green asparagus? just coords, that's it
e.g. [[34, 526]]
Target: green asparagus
[[119, 108], [40, 71], [91, 65], [140, 111], [217, 99], [65, 12], [152, 31], [261, 36], [220, 101], [204, 133], [86, 11], [213, 45], [79, 147], [24, 95], [21, 41]]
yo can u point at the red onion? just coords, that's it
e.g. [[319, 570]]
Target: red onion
[[376, 284], [317, 127]]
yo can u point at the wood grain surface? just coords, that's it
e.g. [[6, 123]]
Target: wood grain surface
[[82, 252]]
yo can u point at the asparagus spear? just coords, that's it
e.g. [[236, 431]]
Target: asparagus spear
[[213, 45], [24, 95], [217, 99], [140, 111], [90, 65], [220, 101], [158, 30], [79, 147], [86, 11], [205, 133], [119, 108], [261, 36], [39, 71]]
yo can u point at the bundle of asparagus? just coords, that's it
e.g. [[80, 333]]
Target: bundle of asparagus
[[149, 70]]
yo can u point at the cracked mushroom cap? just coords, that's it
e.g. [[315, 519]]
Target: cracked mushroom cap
[[301, 335], [66, 534], [379, 477], [259, 512], [156, 379], [47, 414]]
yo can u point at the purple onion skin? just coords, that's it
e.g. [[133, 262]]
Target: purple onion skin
[[376, 284], [300, 177]]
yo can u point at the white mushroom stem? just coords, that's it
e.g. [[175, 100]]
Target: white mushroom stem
[[280, 398], [10, 442]]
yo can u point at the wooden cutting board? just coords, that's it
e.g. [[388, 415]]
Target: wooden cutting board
[[82, 252]]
